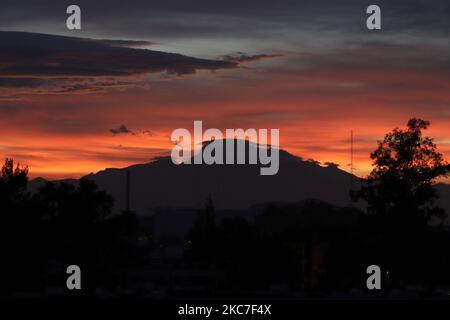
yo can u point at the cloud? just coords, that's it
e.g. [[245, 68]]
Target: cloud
[[124, 43], [147, 132], [159, 17], [40, 55], [94, 86], [122, 130], [240, 57], [41, 60], [21, 82]]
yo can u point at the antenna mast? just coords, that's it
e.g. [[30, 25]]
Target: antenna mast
[[351, 159]]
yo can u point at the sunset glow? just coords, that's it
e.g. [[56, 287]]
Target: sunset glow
[[313, 83]]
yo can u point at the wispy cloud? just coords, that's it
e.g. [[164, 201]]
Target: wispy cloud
[[241, 57], [123, 129]]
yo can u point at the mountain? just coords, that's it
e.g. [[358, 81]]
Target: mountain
[[39, 182], [160, 183]]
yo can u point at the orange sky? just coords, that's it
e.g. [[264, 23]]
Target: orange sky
[[61, 97], [67, 135]]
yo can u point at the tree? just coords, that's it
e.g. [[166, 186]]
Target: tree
[[13, 183], [400, 187], [19, 243], [59, 222], [203, 236]]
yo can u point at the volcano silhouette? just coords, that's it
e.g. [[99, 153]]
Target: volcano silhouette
[[161, 183]]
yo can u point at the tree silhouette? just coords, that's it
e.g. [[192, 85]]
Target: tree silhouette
[[59, 223], [400, 187], [13, 183], [18, 236], [203, 236]]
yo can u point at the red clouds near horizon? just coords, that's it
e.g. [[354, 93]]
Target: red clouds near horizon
[[57, 114]]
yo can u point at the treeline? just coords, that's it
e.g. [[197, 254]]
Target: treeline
[[309, 246], [315, 247], [63, 224]]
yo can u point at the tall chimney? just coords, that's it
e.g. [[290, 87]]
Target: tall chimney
[[127, 194]]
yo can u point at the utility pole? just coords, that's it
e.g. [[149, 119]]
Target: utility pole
[[127, 192], [351, 160]]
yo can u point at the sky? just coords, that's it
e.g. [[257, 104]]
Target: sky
[[74, 102]]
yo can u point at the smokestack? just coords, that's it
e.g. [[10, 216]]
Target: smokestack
[[351, 160], [127, 194]]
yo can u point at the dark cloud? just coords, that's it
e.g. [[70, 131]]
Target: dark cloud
[[41, 64], [240, 57], [122, 129], [21, 82], [235, 18], [40, 55], [94, 86], [125, 43]]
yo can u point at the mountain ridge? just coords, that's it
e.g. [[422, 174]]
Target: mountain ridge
[[160, 183]]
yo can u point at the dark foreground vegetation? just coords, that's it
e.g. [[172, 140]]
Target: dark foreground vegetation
[[305, 249]]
